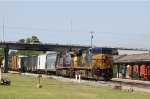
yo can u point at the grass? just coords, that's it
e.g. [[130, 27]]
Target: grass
[[24, 87]]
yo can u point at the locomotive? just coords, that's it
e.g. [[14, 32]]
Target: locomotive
[[94, 63]]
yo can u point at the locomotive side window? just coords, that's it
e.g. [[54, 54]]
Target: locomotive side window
[[102, 51]]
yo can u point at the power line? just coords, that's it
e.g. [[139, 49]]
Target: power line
[[34, 29], [82, 31], [80, 36]]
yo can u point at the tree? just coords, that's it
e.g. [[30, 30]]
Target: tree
[[34, 38], [28, 52], [1, 55], [21, 41], [28, 40]]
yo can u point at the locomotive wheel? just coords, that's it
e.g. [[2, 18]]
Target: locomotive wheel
[[96, 77], [106, 77], [107, 74], [96, 74]]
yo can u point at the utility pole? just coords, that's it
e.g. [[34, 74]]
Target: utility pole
[[3, 28], [91, 48], [92, 38], [70, 31]]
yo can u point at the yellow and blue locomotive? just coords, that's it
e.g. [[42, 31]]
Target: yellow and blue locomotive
[[94, 63]]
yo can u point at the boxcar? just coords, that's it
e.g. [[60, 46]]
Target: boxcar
[[14, 63], [21, 63], [47, 62]]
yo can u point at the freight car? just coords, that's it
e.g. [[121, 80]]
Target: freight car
[[94, 63], [47, 63], [21, 63], [31, 63], [14, 63], [44, 63], [17, 62]]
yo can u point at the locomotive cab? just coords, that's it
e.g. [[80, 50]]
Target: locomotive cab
[[102, 63]]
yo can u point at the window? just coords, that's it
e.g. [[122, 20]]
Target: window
[[101, 51]]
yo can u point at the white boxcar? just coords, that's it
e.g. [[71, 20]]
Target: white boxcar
[[21, 64], [47, 62], [41, 62]]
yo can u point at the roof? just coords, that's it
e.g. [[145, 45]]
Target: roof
[[130, 52], [134, 58]]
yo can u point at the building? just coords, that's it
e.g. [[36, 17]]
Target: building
[[134, 66]]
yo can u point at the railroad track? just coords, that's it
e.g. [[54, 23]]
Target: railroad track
[[123, 83], [131, 84]]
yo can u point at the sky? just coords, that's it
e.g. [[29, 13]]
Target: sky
[[114, 23]]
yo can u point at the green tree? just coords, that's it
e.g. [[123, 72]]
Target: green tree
[[28, 40], [34, 38], [22, 41], [1, 55], [28, 52]]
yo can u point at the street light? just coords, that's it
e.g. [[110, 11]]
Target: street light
[[3, 27], [91, 47], [91, 38]]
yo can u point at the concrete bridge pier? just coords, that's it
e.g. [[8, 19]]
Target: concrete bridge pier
[[6, 51], [0, 74]]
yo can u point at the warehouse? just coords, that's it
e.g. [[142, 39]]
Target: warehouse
[[135, 66]]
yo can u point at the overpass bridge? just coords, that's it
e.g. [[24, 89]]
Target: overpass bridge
[[38, 47], [42, 47], [54, 47]]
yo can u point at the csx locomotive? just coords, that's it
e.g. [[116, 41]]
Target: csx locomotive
[[94, 63]]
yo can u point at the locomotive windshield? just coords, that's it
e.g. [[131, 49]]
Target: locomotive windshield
[[102, 51]]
